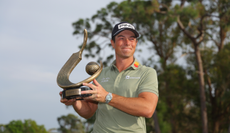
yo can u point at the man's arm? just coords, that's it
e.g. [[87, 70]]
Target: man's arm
[[85, 108], [143, 105]]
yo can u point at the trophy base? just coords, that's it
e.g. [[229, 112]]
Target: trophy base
[[75, 93]]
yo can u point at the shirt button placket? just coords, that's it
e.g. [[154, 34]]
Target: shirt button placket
[[117, 81]]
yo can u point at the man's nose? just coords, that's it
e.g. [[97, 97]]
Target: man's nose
[[127, 41]]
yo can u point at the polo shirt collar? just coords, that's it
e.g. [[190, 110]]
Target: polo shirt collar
[[133, 66]]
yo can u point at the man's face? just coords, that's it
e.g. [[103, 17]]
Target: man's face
[[125, 44]]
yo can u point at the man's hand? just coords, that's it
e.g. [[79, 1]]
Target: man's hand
[[84, 108], [98, 92], [66, 101]]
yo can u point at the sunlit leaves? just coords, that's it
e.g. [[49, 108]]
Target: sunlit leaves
[[18, 126]]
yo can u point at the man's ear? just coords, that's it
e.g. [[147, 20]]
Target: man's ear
[[112, 43]]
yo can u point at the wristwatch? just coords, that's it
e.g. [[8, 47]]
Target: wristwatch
[[108, 98]]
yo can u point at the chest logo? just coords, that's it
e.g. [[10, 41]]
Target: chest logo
[[128, 77], [105, 79]]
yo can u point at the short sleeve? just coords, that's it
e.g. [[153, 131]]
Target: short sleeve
[[149, 82]]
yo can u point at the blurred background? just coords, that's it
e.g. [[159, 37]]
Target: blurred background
[[186, 41], [36, 39]]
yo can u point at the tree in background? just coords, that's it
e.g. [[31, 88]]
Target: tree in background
[[70, 124], [192, 95], [202, 22], [206, 25], [18, 126]]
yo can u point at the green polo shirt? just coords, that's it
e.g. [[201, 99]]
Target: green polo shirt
[[128, 83]]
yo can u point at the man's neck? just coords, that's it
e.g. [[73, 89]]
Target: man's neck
[[123, 64]]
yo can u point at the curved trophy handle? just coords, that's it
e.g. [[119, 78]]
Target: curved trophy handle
[[63, 75]]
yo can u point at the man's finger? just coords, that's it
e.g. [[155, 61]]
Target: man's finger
[[60, 93], [95, 82], [88, 92]]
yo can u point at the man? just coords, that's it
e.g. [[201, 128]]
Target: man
[[124, 93]]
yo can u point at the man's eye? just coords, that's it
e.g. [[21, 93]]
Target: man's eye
[[131, 39]]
